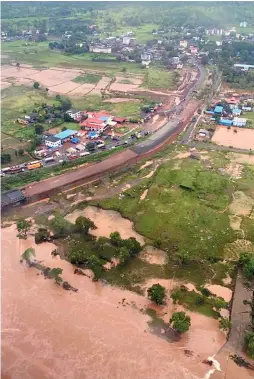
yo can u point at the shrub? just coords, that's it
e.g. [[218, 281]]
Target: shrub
[[157, 293], [180, 321]]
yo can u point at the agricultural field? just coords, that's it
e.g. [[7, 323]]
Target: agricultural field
[[158, 79], [88, 78], [39, 55], [188, 210]]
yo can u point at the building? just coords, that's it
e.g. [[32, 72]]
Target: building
[[146, 57], [243, 67], [183, 44], [243, 24], [74, 114], [241, 122], [66, 135], [52, 141], [13, 197], [236, 111], [226, 122], [100, 49], [218, 109], [247, 109]]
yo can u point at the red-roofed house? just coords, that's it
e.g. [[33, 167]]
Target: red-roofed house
[[119, 120], [93, 124]]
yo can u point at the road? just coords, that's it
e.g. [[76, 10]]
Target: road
[[181, 117]]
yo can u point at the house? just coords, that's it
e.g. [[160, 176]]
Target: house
[[52, 141], [218, 109], [183, 44], [243, 67], [247, 109], [226, 122], [100, 49], [193, 50], [93, 124], [203, 133], [243, 24], [236, 111], [12, 197], [146, 57], [74, 114], [237, 121], [119, 120], [66, 135], [129, 41]]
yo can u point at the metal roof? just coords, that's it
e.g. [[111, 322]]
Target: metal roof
[[66, 134], [11, 197]]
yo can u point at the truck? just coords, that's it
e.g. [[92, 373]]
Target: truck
[[49, 159], [33, 165]]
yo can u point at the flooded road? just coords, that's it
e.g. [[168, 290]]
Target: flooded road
[[48, 332]]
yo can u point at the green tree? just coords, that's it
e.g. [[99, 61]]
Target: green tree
[[180, 321], [38, 129], [77, 257], [66, 104], [249, 343], [27, 256], [115, 238], [124, 255], [156, 293], [41, 235], [5, 158], [23, 227], [90, 146], [224, 323], [55, 273], [21, 152], [132, 245], [95, 265], [246, 260], [36, 85], [83, 224], [219, 303]]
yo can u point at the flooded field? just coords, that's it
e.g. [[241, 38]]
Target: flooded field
[[107, 221], [51, 333]]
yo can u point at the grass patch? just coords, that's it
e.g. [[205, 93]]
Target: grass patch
[[87, 78], [190, 299], [158, 79]]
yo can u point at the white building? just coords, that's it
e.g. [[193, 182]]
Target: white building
[[183, 44], [100, 49], [238, 121], [74, 114], [52, 141]]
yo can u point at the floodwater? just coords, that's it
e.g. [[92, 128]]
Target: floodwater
[[220, 291], [107, 221], [48, 332]]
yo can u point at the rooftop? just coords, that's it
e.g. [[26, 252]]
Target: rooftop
[[52, 138], [66, 134], [11, 197]]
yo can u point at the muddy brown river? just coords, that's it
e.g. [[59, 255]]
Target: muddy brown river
[[48, 332]]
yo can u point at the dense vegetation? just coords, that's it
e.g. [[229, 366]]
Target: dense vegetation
[[113, 15]]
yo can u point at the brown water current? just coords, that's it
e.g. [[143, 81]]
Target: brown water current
[[48, 332]]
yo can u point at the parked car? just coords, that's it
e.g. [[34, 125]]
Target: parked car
[[71, 157]]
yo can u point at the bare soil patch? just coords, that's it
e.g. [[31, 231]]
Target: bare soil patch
[[235, 222], [243, 139], [234, 170], [241, 158], [64, 87], [241, 204], [116, 100], [107, 221], [144, 194], [153, 256], [148, 163], [119, 86], [82, 89]]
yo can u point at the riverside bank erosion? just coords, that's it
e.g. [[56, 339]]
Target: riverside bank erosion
[[89, 333]]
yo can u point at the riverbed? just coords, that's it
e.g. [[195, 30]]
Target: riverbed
[[48, 332]]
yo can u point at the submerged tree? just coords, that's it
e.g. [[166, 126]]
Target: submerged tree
[[115, 238], [224, 323], [83, 224], [23, 227], [28, 256], [157, 293], [55, 273], [180, 321]]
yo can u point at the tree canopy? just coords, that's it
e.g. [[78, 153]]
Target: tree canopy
[[180, 321], [157, 293]]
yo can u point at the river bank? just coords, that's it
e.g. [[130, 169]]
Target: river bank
[[94, 333]]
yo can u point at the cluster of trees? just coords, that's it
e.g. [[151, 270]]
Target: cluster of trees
[[71, 46], [23, 226], [102, 249]]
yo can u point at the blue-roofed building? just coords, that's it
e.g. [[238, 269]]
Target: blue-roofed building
[[218, 109], [75, 140], [104, 118], [236, 111], [226, 122], [66, 134]]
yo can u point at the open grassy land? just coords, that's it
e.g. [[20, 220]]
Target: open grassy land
[[39, 55], [158, 79], [88, 78], [186, 213]]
